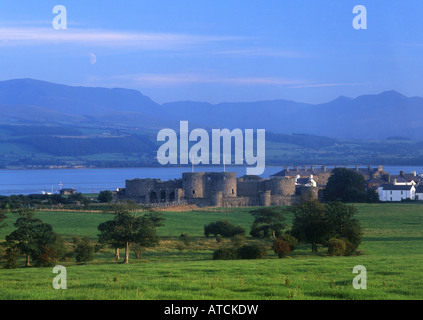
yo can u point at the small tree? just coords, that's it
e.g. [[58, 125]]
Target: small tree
[[281, 248], [34, 239], [127, 228], [11, 258], [105, 196], [268, 222], [84, 250], [310, 223], [185, 239]]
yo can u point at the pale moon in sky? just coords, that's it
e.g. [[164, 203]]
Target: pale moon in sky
[[93, 58]]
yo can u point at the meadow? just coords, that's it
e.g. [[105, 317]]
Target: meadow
[[391, 252]]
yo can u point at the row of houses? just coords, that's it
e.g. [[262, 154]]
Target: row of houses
[[389, 187]]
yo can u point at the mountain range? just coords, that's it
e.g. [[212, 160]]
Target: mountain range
[[378, 116]]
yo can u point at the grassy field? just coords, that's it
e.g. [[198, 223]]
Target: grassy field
[[391, 252]]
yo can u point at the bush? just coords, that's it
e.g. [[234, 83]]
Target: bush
[[105, 196], [225, 254], [11, 258], [253, 251], [292, 241], [185, 238], [224, 228], [238, 240], [84, 251], [337, 247], [281, 248]]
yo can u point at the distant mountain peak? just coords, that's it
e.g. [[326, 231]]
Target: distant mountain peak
[[392, 93]]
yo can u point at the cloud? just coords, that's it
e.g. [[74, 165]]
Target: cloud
[[18, 36], [321, 85], [262, 52], [180, 79]]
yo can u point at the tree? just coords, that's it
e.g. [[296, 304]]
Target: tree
[[310, 223], [35, 239], [127, 228], [316, 223], [343, 225], [345, 185], [268, 222], [105, 196]]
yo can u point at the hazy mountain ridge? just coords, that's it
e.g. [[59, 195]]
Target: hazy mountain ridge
[[365, 117]]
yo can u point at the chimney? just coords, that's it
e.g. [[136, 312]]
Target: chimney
[[380, 168], [312, 168], [286, 169], [414, 173], [370, 167], [402, 173], [324, 168], [356, 168]]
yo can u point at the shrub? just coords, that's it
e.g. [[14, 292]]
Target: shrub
[[238, 240], [225, 254], [185, 238], [292, 241], [281, 248], [105, 196], [84, 251], [224, 228], [11, 258], [253, 251], [336, 247]]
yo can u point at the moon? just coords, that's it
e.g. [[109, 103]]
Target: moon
[[93, 58]]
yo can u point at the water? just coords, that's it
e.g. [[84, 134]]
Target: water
[[96, 180]]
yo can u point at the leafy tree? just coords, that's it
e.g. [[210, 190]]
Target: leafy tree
[[345, 185], [35, 239], [268, 222], [316, 223], [127, 228], [342, 224], [310, 223], [105, 196]]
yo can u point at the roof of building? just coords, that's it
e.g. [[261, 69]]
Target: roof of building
[[396, 187], [419, 189]]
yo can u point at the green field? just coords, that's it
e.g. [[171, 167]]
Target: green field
[[392, 252]]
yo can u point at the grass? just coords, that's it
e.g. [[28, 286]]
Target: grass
[[391, 252]]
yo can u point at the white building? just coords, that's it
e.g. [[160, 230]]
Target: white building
[[389, 192]]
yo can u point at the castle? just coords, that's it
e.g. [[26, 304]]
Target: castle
[[224, 189], [217, 189]]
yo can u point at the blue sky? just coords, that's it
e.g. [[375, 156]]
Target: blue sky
[[218, 50]]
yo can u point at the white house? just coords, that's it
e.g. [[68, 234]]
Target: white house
[[390, 192]]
